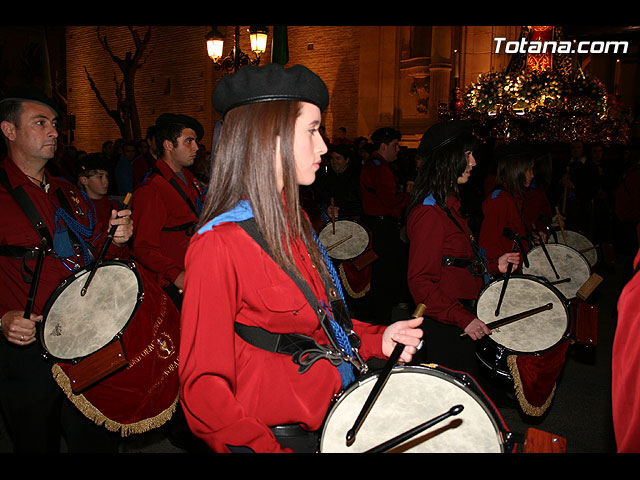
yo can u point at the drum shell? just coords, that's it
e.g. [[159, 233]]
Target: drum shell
[[410, 397], [492, 350]]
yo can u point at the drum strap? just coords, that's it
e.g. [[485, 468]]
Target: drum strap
[[344, 345], [174, 183], [478, 266], [188, 228], [25, 253]]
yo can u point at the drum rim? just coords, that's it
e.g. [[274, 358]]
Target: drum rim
[[131, 265], [565, 305], [471, 387], [360, 224]]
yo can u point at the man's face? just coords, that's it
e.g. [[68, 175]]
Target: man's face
[[35, 137], [389, 151], [338, 162], [576, 149], [129, 151], [184, 153]]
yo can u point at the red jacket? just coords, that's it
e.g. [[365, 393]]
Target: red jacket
[[536, 204], [379, 190], [500, 211], [157, 205], [17, 230], [432, 234], [625, 362], [232, 391]]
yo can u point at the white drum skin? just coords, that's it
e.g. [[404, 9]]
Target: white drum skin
[[532, 335], [579, 242], [410, 397], [568, 262], [75, 326], [351, 239]]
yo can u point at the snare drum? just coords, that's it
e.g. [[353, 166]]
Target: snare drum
[[410, 397], [572, 267], [349, 241], [121, 304], [579, 242], [533, 335]]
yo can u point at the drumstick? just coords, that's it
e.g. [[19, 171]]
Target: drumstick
[[504, 284], [28, 309], [339, 242], [561, 223], [397, 440], [584, 250], [515, 317], [103, 251], [333, 217], [546, 254], [382, 380]]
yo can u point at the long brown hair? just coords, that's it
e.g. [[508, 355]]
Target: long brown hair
[[243, 168]]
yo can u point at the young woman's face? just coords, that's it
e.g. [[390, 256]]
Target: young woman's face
[[528, 176], [471, 162], [308, 145]]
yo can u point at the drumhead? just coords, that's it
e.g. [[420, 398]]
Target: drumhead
[[578, 242], [412, 396], [530, 335], [570, 264], [350, 240], [74, 326]]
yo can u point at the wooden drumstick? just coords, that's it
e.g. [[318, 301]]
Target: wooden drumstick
[[103, 251], [515, 317], [333, 216], [35, 280], [339, 242], [382, 380], [561, 223]]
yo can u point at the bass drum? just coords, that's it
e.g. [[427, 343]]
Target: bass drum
[[533, 335], [579, 242], [349, 241], [121, 304], [572, 267], [410, 397]]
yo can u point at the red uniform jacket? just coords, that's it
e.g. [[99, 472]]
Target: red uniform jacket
[[625, 362], [500, 211], [232, 391], [156, 205], [380, 194], [432, 234], [17, 230], [536, 204]]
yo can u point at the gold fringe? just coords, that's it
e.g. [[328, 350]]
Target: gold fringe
[[347, 287], [524, 404], [95, 415]]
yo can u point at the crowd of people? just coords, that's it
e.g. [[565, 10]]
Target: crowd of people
[[273, 325]]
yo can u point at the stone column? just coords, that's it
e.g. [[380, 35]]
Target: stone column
[[440, 69]]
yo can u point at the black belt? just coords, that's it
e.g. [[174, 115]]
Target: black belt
[[474, 266], [469, 304]]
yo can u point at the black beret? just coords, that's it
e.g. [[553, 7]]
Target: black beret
[[167, 119], [93, 161], [271, 82], [31, 94], [441, 134], [385, 135]]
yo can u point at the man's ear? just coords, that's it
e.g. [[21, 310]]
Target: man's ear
[[8, 129]]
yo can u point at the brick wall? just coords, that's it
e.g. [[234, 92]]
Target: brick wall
[[177, 76]]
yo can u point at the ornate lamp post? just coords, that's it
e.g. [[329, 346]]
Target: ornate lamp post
[[236, 58]]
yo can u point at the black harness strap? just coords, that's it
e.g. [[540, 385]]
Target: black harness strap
[[305, 351], [189, 227]]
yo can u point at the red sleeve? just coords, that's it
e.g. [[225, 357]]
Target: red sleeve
[[498, 213], [625, 362], [426, 231]]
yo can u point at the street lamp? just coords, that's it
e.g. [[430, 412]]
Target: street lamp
[[236, 58]]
